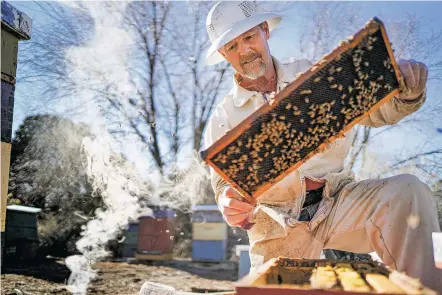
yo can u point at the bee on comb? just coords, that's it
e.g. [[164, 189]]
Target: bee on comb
[[314, 110], [328, 277]]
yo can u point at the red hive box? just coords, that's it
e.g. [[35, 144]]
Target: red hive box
[[154, 236]]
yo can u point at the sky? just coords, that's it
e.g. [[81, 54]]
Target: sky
[[387, 11], [281, 42], [283, 45]]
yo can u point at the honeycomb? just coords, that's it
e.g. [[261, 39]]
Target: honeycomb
[[314, 110], [339, 276]]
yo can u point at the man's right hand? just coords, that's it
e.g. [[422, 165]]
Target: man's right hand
[[235, 210]]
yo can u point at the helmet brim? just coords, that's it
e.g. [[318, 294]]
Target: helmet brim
[[213, 57]]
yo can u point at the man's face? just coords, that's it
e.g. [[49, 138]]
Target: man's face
[[249, 53]]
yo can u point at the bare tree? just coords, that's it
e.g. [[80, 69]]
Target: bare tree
[[428, 161], [328, 22], [410, 39], [171, 93], [42, 63], [324, 26], [47, 171], [200, 85]]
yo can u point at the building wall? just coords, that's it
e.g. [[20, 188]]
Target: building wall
[[16, 26]]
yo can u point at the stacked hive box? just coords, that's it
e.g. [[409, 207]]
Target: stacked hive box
[[16, 26], [129, 246], [21, 232], [209, 234], [156, 235]]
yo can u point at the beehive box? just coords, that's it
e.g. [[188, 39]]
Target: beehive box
[[314, 110], [210, 231], [209, 234], [209, 251], [130, 243], [286, 276], [156, 235]]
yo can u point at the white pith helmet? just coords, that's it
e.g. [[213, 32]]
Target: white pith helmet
[[229, 19]]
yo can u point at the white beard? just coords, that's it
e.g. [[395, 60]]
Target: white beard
[[256, 75]]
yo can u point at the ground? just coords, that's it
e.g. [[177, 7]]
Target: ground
[[50, 277]]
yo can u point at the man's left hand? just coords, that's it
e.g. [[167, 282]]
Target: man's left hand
[[415, 77]]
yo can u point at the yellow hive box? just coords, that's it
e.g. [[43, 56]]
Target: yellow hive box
[[209, 231], [6, 157]]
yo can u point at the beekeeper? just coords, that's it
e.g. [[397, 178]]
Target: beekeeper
[[320, 205]]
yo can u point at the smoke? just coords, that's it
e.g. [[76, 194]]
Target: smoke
[[101, 65], [185, 187], [81, 274], [119, 185]]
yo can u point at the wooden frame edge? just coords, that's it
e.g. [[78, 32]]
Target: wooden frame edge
[[265, 187], [372, 26], [251, 279], [234, 185], [392, 58], [239, 129]]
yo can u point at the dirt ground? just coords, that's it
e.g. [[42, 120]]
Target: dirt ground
[[50, 277]]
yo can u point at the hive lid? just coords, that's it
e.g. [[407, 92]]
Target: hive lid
[[205, 208], [23, 208]]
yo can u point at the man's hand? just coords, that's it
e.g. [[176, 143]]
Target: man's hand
[[236, 212], [415, 77]]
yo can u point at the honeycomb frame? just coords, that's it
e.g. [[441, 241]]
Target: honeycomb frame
[[253, 180]]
